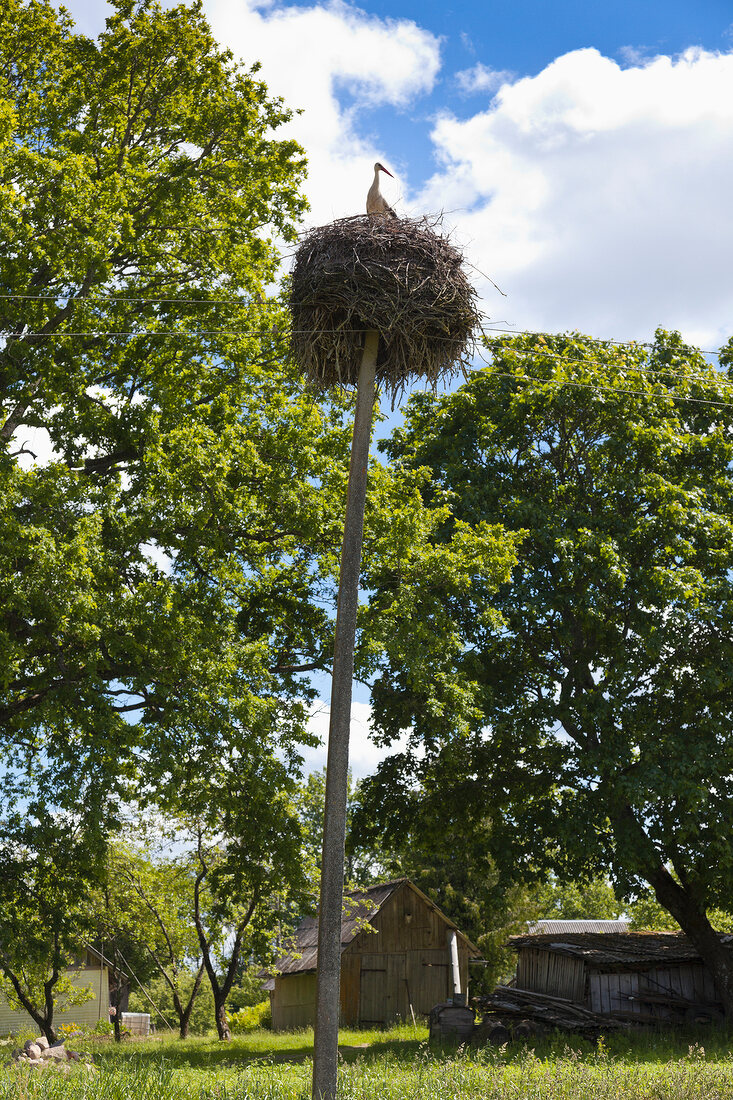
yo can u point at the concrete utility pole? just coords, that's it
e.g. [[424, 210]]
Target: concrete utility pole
[[328, 980]]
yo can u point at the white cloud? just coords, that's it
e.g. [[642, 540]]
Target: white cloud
[[364, 755], [480, 78], [33, 447], [598, 196], [635, 55], [311, 56]]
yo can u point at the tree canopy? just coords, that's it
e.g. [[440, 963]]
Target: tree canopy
[[164, 480], [166, 484], [588, 702]]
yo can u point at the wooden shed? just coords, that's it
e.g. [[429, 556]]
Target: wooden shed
[[643, 977], [396, 960]]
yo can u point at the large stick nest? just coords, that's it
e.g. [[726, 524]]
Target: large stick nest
[[396, 275]]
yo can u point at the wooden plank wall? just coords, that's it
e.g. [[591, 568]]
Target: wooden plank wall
[[404, 962], [624, 991], [294, 1002], [404, 923], [548, 972], [429, 978], [350, 988], [392, 983]]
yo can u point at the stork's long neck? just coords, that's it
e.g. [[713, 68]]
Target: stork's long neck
[[376, 178]]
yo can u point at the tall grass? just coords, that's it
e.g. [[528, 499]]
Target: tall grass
[[407, 1071]]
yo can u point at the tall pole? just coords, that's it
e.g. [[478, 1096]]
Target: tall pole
[[328, 982]]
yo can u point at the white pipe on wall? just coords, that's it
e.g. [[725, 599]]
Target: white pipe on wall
[[453, 947]]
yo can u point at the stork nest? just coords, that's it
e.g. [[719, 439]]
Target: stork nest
[[396, 275]]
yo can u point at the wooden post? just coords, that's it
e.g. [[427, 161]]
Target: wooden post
[[328, 974]]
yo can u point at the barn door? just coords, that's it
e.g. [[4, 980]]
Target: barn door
[[382, 996], [428, 978]]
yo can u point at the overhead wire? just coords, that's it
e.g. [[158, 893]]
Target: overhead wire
[[599, 387], [545, 352], [156, 300], [272, 331]]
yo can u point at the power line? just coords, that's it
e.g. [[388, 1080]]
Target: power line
[[154, 300], [667, 394], [563, 335], [116, 298], [545, 352], [130, 334], [276, 331], [667, 371]]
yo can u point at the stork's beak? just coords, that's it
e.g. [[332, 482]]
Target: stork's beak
[[383, 169], [388, 173]]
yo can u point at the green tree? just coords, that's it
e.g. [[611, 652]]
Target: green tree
[[591, 900], [594, 715], [228, 871], [49, 865], [165, 483], [148, 904], [246, 852]]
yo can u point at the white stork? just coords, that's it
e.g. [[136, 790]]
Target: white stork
[[376, 202]]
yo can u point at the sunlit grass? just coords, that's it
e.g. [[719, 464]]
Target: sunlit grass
[[393, 1065]]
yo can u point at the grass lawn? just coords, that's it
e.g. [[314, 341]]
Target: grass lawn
[[393, 1065]]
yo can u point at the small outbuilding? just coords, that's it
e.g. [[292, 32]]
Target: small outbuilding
[[400, 955], [89, 973], [631, 977]]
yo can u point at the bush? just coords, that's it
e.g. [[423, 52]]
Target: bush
[[251, 1018], [103, 1027]]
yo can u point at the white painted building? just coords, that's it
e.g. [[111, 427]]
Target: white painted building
[[91, 974]]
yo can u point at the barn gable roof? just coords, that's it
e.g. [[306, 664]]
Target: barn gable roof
[[616, 951], [360, 907]]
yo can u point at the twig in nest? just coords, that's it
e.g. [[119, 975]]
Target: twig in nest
[[398, 276]]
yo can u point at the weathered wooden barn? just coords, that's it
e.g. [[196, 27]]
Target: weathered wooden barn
[[398, 956], [642, 977]]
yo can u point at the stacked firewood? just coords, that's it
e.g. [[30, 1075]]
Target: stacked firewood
[[509, 1003]]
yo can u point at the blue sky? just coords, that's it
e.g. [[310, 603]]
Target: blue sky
[[582, 152], [524, 36]]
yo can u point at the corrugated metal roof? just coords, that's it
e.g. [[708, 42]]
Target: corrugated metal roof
[[555, 926], [617, 951]]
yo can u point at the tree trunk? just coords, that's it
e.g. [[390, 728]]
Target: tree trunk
[[220, 989], [184, 1013], [678, 900], [222, 1024], [44, 1022], [115, 1000], [693, 921]]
